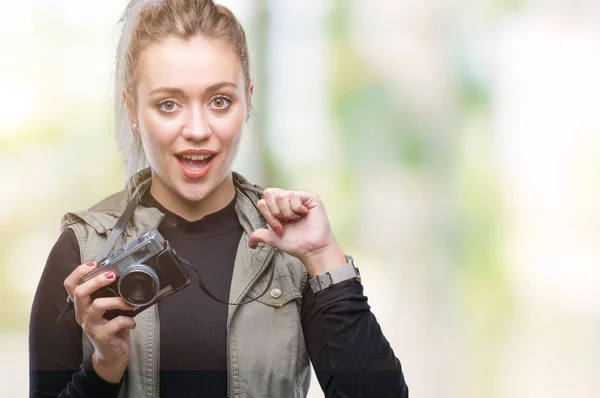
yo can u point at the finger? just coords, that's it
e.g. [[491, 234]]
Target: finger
[[283, 202], [72, 281], [267, 236], [81, 294], [308, 199], [297, 205], [115, 325], [102, 304], [270, 196], [269, 217]]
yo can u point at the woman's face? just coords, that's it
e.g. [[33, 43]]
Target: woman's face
[[191, 109]]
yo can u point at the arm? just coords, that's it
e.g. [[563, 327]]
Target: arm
[[55, 352], [350, 355]]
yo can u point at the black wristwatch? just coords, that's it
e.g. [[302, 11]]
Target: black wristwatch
[[348, 271]]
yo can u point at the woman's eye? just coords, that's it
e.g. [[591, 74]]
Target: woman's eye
[[220, 102], [168, 106]]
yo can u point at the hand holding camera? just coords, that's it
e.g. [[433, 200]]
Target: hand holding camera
[[109, 294], [109, 337]]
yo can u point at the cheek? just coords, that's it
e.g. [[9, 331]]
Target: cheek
[[157, 137], [230, 129]]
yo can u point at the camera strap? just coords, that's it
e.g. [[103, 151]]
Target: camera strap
[[212, 296], [109, 244], [118, 230]]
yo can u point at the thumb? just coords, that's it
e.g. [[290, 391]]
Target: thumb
[[267, 236]]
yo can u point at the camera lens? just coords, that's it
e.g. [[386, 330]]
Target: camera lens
[[138, 285]]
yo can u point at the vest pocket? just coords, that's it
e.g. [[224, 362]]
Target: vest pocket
[[281, 291]]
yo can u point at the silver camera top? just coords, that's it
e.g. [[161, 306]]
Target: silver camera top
[[147, 245]]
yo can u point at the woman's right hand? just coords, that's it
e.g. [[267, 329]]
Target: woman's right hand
[[109, 337]]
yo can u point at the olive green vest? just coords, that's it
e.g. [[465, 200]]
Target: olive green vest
[[266, 354]]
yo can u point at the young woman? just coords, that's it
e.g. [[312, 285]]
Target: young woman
[[183, 94]]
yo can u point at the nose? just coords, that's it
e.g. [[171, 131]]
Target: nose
[[196, 126]]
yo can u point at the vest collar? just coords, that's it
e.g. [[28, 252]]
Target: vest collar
[[104, 215]]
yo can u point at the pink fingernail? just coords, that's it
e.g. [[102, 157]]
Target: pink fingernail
[[279, 229], [91, 264], [110, 275]]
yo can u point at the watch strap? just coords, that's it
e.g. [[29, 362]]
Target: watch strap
[[340, 274]]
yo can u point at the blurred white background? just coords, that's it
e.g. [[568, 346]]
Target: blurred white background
[[455, 145]]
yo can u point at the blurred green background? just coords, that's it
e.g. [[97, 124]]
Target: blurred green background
[[455, 144]]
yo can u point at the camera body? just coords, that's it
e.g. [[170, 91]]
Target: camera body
[[147, 270]]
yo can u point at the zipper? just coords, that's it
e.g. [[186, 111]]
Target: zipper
[[260, 272], [157, 337], [158, 355]]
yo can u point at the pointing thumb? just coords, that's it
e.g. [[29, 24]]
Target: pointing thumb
[[267, 236]]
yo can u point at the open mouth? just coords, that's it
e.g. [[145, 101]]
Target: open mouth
[[194, 162], [195, 166]]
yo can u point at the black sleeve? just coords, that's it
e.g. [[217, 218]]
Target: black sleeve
[[350, 355], [55, 352]]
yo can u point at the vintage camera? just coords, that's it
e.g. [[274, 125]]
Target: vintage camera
[[146, 270]]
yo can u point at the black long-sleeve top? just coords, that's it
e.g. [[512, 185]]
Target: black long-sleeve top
[[349, 353]]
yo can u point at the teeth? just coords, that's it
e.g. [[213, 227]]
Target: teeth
[[196, 157]]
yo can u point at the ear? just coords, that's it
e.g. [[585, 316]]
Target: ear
[[129, 107]]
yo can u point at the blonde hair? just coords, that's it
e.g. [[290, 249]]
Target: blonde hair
[[149, 21]]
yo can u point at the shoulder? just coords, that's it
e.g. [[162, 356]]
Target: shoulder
[[93, 223], [104, 214], [254, 191], [101, 216]]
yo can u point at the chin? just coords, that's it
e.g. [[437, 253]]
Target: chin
[[195, 190], [194, 194]]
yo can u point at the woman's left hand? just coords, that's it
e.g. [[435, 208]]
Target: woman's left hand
[[300, 228]]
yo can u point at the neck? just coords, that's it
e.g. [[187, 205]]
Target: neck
[[220, 197]]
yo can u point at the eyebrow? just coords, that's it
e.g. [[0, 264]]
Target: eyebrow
[[178, 91]]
